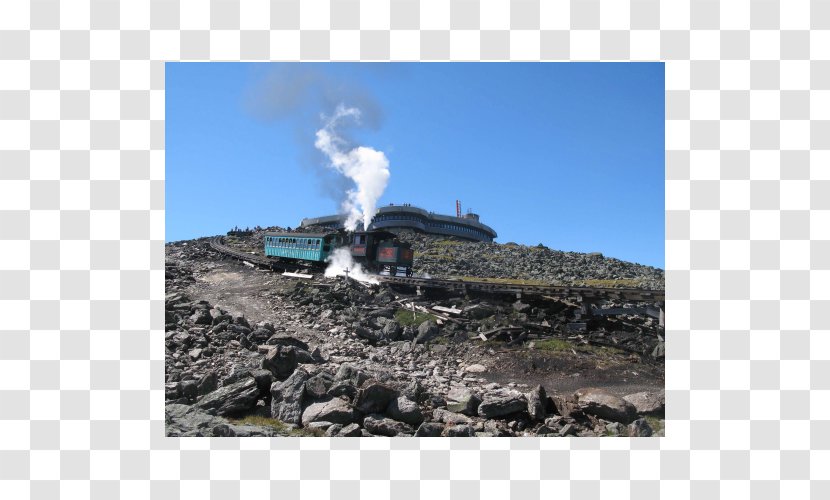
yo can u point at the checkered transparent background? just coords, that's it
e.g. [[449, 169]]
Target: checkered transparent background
[[82, 230]]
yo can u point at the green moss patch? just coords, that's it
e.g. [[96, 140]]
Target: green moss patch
[[404, 317]]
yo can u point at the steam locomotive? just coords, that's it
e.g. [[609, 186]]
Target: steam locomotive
[[376, 251]]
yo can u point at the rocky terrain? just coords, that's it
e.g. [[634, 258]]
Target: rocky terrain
[[448, 257], [250, 352]]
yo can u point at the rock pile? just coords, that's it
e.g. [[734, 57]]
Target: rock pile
[[219, 366], [344, 359]]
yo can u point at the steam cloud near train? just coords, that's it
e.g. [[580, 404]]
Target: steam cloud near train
[[368, 168], [340, 261]]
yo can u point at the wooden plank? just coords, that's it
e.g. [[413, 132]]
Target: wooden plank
[[298, 275], [449, 310]]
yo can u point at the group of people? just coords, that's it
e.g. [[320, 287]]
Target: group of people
[[236, 229]]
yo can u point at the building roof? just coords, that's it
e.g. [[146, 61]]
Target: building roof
[[468, 221]]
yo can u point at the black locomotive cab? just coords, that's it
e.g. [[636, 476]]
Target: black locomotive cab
[[380, 250]]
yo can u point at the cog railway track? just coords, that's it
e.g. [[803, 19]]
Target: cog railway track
[[559, 291]]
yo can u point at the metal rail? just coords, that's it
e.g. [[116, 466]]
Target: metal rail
[[573, 292]]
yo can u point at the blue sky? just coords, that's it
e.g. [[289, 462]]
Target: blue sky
[[570, 155]]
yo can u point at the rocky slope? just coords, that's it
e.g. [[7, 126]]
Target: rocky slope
[[340, 358], [447, 257]]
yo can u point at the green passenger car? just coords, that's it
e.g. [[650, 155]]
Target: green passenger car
[[302, 246]]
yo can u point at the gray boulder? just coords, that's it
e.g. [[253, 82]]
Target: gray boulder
[[368, 333], [536, 403], [375, 397], [462, 400], [208, 382], [304, 356], [281, 361], [448, 417], [614, 428], [499, 405], [545, 431], [659, 351], [316, 386], [415, 391], [405, 410], [222, 318], [285, 340], [343, 389], [172, 390], [648, 403], [429, 429], [407, 333], [321, 425], [263, 379], [232, 399], [239, 329], [475, 368], [382, 426], [237, 373], [603, 404], [333, 429], [334, 410], [190, 421], [266, 325], [258, 336], [349, 373], [287, 397], [189, 388], [351, 430], [183, 338], [391, 330], [201, 317], [460, 430], [426, 331], [640, 428]]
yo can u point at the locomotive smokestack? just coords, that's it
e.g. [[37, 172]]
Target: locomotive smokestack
[[458, 209], [365, 166]]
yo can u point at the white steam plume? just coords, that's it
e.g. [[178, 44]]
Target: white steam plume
[[366, 167], [340, 260]]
